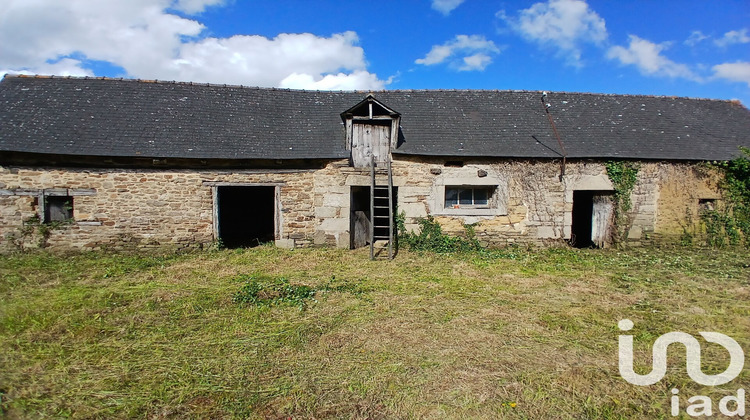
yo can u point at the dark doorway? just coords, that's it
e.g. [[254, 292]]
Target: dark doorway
[[246, 215], [359, 216], [592, 219], [583, 206]]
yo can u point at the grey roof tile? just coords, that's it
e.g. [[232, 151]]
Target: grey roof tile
[[111, 117]]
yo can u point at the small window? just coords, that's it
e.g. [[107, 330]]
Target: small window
[[58, 208], [468, 197]]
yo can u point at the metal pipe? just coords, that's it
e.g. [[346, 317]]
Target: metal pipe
[[557, 135]]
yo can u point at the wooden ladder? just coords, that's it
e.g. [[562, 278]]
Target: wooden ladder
[[381, 213]]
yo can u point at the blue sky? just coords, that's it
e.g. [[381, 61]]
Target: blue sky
[[674, 48]]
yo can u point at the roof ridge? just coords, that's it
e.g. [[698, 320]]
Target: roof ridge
[[366, 91]]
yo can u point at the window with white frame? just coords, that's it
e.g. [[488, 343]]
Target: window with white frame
[[471, 197]]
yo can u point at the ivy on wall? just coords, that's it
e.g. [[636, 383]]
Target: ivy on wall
[[623, 176], [730, 224]]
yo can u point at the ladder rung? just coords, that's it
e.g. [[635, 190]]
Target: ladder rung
[[381, 190]]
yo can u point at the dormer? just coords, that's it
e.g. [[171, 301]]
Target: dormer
[[371, 132]]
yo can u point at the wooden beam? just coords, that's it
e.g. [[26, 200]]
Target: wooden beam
[[374, 117], [243, 184], [56, 191], [277, 213], [20, 191], [215, 215], [348, 134], [394, 133]]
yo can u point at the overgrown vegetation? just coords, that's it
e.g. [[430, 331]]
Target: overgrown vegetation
[[451, 335], [430, 237], [35, 228], [265, 291], [623, 175], [268, 291], [730, 224]]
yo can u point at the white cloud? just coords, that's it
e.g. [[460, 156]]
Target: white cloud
[[357, 80], [733, 37], [475, 62], [148, 42], [446, 6], [266, 61], [695, 38], [735, 72], [562, 24], [647, 57], [193, 7], [64, 67], [465, 52]]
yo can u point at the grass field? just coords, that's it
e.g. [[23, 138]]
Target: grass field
[[528, 334]]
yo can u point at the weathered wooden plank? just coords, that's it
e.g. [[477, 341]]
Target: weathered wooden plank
[[20, 191], [56, 191], [277, 213], [215, 215], [361, 145], [361, 228], [242, 184], [374, 118], [601, 220], [395, 123], [89, 223], [381, 139], [348, 134]]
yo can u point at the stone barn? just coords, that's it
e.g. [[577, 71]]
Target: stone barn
[[93, 163]]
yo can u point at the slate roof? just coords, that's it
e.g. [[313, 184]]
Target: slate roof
[[128, 118]]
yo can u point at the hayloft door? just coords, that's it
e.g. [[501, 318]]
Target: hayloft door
[[371, 132], [370, 140]]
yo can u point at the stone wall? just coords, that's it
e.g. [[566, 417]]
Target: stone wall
[[139, 208], [533, 204], [142, 208], [681, 187]]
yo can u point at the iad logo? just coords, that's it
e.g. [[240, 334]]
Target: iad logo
[[702, 404], [693, 354]]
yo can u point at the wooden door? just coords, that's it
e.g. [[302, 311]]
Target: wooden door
[[368, 141], [601, 219], [359, 216]]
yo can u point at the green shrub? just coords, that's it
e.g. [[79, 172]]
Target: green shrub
[[269, 291], [624, 176], [259, 290], [431, 237], [732, 222]]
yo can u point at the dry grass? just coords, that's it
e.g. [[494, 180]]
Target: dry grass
[[517, 334]]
